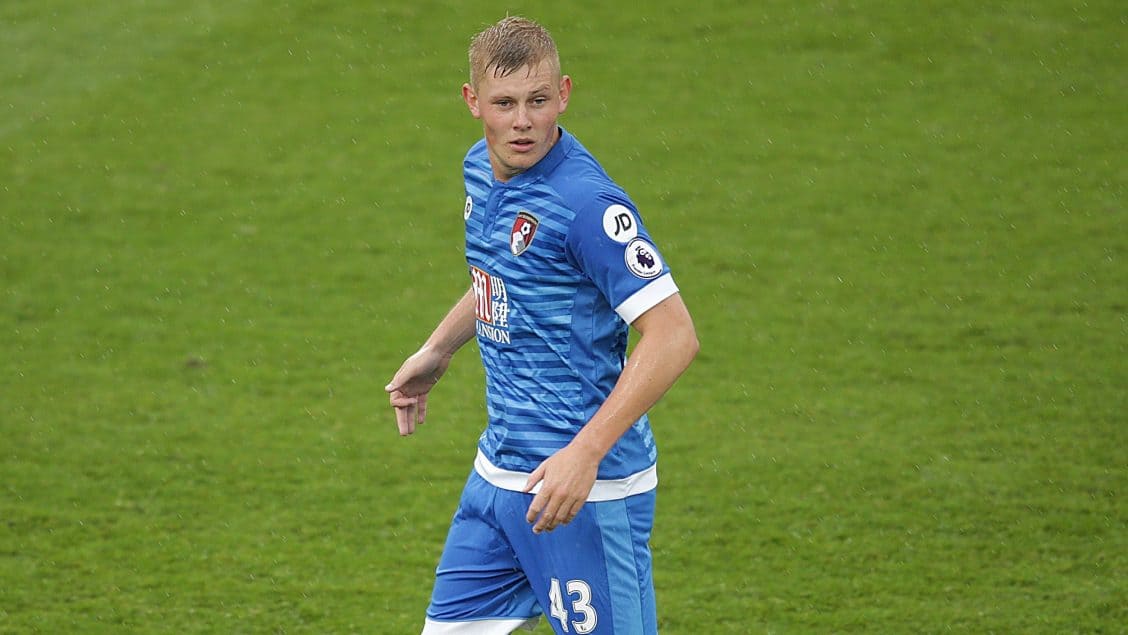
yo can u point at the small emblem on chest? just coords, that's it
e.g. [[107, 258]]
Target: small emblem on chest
[[524, 228]]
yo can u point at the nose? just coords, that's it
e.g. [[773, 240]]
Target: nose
[[521, 121]]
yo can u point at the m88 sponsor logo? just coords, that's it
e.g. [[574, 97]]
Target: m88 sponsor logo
[[491, 306]]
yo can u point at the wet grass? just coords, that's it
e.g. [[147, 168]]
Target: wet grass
[[900, 230]]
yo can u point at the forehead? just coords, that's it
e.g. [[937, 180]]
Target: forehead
[[527, 79]]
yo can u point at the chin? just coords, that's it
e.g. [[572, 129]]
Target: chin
[[522, 164]]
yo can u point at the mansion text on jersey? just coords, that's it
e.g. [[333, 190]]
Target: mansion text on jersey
[[491, 307], [500, 336]]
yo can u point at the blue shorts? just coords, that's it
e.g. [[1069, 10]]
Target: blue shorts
[[592, 575]]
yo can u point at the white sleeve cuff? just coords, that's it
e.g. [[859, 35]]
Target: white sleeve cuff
[[645, 298]]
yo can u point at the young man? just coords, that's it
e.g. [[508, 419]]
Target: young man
[[556, 515]]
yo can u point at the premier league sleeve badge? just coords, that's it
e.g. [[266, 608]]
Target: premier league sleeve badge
[[642, 259]]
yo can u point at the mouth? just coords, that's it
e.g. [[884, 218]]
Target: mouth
[[522, 145]]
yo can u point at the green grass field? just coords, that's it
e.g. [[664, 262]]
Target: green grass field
[[900, 228]]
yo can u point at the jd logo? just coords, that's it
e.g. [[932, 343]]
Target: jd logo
[[619, 224]]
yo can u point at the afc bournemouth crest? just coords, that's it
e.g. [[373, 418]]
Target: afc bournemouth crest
[[524, 228]]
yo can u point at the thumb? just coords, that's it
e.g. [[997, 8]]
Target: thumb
[[536, 477], [394, 384]]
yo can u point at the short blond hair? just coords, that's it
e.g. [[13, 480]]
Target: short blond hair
[[509, 45]]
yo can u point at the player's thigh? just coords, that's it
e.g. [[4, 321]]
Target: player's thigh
[[594, 574], [478, 577]]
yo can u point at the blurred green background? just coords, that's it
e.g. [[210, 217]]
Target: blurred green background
[[899, 227]]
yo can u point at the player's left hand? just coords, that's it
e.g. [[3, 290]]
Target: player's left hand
[[566, 479]]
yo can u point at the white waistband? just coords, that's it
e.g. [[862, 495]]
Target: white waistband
[[603, 490]]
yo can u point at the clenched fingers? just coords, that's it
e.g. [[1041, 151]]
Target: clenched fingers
[[549, 512], [409, 411]]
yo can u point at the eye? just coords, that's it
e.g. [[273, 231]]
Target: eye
[[540, 101]]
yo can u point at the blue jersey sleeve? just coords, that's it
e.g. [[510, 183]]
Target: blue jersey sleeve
[[609, 244]]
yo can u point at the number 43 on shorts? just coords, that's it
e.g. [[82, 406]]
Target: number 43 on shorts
[[580, 594]]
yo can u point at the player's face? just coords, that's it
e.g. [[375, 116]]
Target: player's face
[[519, 114]]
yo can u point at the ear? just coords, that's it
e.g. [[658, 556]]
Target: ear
[[565, 92], [471, 99]]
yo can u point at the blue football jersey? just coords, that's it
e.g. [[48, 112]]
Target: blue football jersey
[[560, 263]]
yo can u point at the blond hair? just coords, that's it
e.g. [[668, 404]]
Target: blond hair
[[509, 45]]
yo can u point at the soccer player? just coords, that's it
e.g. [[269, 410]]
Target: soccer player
[[556, 515]]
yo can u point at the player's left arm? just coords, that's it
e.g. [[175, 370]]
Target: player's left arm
[[666, 346]]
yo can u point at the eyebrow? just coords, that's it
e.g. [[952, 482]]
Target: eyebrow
[[536, 92]]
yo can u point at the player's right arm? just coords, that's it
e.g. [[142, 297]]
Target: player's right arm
[[408, 389]]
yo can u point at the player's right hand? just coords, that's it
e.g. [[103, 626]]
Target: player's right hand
[[407, 392]]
